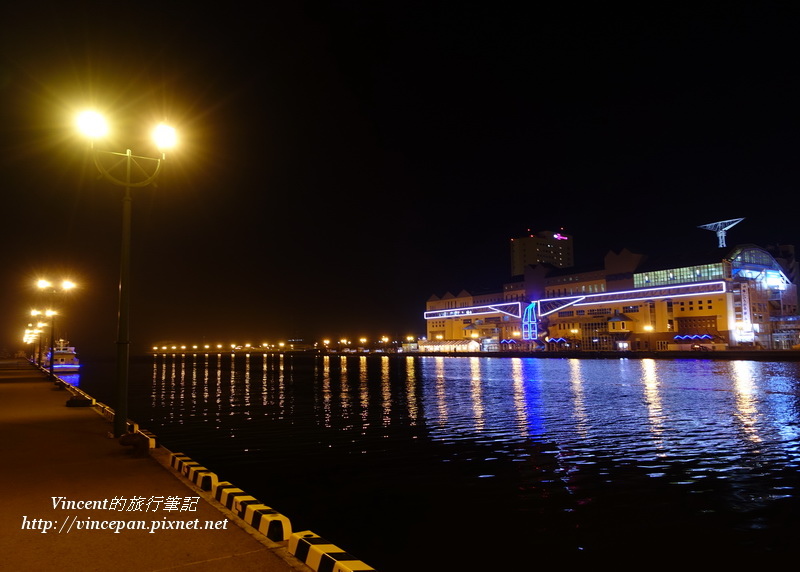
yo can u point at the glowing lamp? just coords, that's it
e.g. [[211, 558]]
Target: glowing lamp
[[92, 124], [164, 136]]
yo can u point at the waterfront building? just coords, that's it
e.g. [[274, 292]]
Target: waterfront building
[[726, 298], [486, 319]]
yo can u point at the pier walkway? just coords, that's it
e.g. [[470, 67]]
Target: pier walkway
[[75, 498]]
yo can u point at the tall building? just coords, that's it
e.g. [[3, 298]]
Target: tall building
[[545, 247]]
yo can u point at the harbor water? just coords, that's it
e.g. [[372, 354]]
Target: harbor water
[[476, 463]]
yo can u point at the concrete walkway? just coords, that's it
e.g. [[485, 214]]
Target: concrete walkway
[[51, 452]]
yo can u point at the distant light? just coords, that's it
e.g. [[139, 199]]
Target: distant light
[[559, 236]]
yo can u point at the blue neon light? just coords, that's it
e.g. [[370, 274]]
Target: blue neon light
[[529, 329], [693, 337]]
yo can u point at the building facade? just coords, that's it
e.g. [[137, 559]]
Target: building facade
[[736, 298], [545, 247]]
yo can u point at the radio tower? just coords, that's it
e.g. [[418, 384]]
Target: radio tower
[[720, 228]]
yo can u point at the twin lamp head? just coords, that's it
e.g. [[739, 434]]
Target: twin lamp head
[[93, 125]]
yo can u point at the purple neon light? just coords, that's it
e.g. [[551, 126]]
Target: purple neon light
[[516, 309], [643, 294]]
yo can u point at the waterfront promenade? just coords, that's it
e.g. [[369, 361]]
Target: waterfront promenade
[[121, 511]]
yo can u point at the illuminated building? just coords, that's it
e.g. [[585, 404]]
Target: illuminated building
[[730, 298], [489, 319], [546, 247]]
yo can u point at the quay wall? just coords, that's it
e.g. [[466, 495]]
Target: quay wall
[[726, 355], [722, 355]]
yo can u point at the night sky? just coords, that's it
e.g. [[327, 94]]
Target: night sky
[[341, 162]]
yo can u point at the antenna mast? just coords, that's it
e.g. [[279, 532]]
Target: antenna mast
[[720, 228]]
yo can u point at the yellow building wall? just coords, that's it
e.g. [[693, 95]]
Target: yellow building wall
[[664, 324]]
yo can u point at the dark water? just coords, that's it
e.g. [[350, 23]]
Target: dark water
[[428, 463]]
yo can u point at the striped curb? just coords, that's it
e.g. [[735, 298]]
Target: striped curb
[[266, 520], [152, 441], [199, 475], [322, 556], [306, 546], [225, 492]]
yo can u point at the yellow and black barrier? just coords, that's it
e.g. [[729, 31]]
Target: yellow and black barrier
[[322, 556], [263, 518], [152, 440], [308, 547], [199, 475]]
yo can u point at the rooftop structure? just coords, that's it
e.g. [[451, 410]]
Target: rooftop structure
[[721, 228]]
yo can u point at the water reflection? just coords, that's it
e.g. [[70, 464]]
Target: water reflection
[[576, 382], [476, 385], [456, 396], [690, 444], [744, 385], [73, 379], [518, 388], [652, 396]]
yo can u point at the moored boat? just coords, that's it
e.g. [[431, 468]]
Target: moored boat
[[65, 358]]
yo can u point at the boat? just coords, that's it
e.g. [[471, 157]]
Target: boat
[[65, 358]]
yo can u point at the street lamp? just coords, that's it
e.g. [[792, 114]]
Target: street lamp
[[53, 289], [35, 335], [32, 335], [65, 286], [118, 168], [52, 315]]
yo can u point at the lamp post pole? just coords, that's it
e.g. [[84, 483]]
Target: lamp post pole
[[118, 169], [123, 309], [52, 315], [123, 317], [38, 332], [40, 349]]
